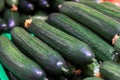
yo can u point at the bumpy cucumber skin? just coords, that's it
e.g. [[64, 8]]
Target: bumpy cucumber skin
[[12, 18], [117, 44], [70, 47], [98, 22], [17, 63], [102, 50], [2, 5], [110, 70], [44, 55]]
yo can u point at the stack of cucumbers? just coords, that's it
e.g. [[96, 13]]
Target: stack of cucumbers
[[60, 40]]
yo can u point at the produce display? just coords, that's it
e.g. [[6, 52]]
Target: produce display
[[59, 40]]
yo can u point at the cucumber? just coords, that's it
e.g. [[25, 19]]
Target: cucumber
[[98, 22], [3, 26], [92, 78], [110, 5], [13, 4], [17, 63], [113, 13], [102, 50], [11, 17], [26, 6], [110, 70], [44, 55], [2, 5], [62, 42]]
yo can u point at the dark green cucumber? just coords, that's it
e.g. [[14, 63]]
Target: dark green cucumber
[[103, 50], [71, 48], [92, 78], [44, 55], [110, 70], [3, 26], [2, 5], [113, 13], [98, 22], [11, 17], [111, 5], [17, 63], [43, 3], [26, 6]]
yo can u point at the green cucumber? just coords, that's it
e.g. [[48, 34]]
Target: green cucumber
[[40, 52], [71, 48], [12, 2], [92, 78], [11, 17], [110, 70], [103, 50], [98, 22], [113, 13], [111, 5], [17, 63], [2, 5]]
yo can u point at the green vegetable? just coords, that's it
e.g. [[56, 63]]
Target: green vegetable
[[2, 5], [92, 78], [102, 50], [110, 70], [17, 63], [69, 47], [98, 22], [40, 52]]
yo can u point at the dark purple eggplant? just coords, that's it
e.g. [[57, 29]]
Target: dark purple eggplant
[[43, 3], [3, 26]]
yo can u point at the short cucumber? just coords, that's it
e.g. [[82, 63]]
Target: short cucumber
[[62, 42], [92, 78], [44, 55], [17, 63], [2, 5], [102, 50], [113, 13], [98, 22], [110, 70], [11, 17]]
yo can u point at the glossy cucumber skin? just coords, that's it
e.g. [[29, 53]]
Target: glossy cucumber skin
[[102, 50], [2, 5], [62, 42], [96, 21], [17, 63], [110, 70], [113, 13], [12, 2], [11, 17], [44, 55]]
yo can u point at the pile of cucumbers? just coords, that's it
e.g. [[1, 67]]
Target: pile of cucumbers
[[60, 40]]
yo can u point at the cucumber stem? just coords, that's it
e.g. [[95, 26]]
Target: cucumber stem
[[59, 6], [114, 39], [77, 72], [14, 8], [28, 23]]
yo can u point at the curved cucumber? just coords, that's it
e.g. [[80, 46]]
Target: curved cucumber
[[17, 63], [70, 47], [96, 21], [45, 56], [102, 50]]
